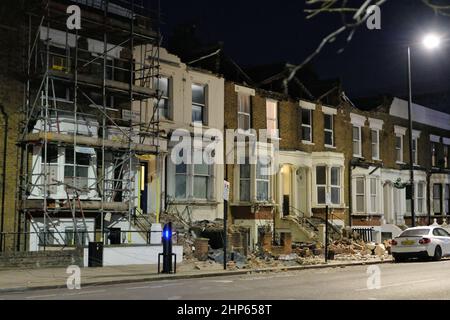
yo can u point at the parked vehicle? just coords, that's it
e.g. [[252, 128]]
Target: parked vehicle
[[431, 242]]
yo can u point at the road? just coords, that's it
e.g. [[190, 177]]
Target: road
[[413, 280]]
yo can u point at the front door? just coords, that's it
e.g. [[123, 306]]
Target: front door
[[286, 189]]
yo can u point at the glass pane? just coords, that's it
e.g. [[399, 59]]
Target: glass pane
[[373, 204], [375, 151], [197, 113], [244, 103], [201, 169], [335, 176], [321, 175], [356, 149], [244, 171], [163, 107], [262, 190], [262, 168], [374, 136], [68, 171], [328, 121], [180, 186], [243, 121], [198, 94], [164, 86], [271, 109], [181, 168], [52, 153], [321, 197], [244, 190], [373, 187], [420, 205], [306, 133], [360, 186], [82, 172], [335, 195], [420, 190], [356, 133], [201, 187], [360, 203], [328, 138], [398, 142], [306, 117]]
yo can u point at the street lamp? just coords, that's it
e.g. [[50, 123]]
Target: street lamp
[[430, 41]]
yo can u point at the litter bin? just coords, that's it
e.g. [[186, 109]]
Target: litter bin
[[95, 254]]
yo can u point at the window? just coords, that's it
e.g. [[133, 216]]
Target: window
[[373, 195], [329, 128], [244, 181], [360, 194], [446, 156], [335, 185], [420, 197], [46, 237], [437, 195], [414, 150], [198, 103], [447, 199], [399, 148], [307, 125], [181, 181], [272, 118], [77, 238], [433, 154], [321, 183], [76, 171], [244, 112], [162, 84], [262, 179], [193, 180], [375, 136], [408, 198], [357, 141]]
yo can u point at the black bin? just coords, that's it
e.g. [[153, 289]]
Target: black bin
[[95, 255]]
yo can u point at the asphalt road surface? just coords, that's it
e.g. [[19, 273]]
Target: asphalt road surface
[[413, 280]]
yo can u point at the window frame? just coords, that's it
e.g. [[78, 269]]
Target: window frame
[[420, 197], [434, 154], [247, 179], [373, 193], [307, 126], [241, 112], [376, 144], [338, 186], [329, 130], [199, 105], [399, 150], [165, 98], [439, 198], [363, 194], [272, 132], [358, 141], [259, 179]]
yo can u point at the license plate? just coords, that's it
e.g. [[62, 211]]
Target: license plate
[[408, 242]]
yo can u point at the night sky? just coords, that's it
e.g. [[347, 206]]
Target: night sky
[[373, 63]]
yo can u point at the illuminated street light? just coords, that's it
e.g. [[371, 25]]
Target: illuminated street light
[[431, 41]]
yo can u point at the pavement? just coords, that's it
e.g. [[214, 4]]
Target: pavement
[[54, 278], [388, 281]]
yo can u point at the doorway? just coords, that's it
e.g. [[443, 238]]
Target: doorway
[[286, 174]]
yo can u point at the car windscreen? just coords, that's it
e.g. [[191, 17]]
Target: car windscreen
[[415, 233]]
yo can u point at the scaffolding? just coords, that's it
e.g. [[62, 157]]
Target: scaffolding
[[86, 93]]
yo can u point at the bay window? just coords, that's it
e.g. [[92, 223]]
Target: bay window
[[437, 197], [447, 199], [328, 179], [373, 195], [421, 197], [244, 181], [76, 170], [262, 179], [360, 194]]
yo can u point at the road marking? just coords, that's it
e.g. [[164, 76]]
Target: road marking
[[137, 288], [396, 284], [41, 296], [221, 281]]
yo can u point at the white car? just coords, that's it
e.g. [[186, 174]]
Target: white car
[[421, 242]]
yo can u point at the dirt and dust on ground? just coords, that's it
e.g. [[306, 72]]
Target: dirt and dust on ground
[[350, 248]]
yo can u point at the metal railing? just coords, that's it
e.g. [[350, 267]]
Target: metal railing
[[366, 234], [60, 240]]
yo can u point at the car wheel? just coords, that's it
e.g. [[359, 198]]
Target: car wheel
[[437, 254]]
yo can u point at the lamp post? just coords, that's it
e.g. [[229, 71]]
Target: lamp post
[[431, 41]]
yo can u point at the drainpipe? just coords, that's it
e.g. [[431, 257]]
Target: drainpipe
[[5, 139]]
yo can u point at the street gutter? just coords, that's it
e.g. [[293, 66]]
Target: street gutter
[[155, 277]]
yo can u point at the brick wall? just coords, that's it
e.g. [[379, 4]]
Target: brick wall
[[11, 98], [41, 259]]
